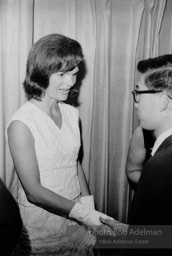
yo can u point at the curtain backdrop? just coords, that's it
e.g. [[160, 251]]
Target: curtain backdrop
[[114, 35], [16, 27]]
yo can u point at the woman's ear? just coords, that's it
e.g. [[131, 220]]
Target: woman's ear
[[164, 101]]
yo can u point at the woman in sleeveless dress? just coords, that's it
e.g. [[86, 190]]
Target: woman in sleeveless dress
[[44, 139]]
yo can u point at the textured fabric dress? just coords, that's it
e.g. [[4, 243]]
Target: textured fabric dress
[[57, 152]]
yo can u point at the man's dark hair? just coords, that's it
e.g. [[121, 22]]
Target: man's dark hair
[[154, 63]]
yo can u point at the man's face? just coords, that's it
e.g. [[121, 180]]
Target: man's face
[[147, 107]]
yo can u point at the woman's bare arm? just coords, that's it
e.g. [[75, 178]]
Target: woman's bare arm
[[21, 143]]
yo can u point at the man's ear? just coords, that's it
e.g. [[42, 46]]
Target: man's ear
[[164, 101]]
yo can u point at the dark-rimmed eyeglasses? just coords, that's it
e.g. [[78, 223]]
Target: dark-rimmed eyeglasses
[[136, 94]]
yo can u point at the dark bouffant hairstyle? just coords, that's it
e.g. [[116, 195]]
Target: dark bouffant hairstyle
[[50, 54]]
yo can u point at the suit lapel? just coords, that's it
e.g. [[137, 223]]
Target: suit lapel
[[166, 143]]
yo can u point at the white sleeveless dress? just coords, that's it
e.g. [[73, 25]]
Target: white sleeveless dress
[[57, 152]]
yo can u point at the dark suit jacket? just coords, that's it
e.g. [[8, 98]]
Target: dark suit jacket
[[152, 203], [10, 221]]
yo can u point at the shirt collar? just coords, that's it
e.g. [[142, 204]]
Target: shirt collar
[[160, 140]]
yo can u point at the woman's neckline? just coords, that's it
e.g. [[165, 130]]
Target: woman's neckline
[[48, 116]]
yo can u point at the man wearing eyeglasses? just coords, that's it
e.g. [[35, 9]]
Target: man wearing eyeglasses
[[153, 101]]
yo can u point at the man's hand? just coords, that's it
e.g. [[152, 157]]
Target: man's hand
[[104, 229], [114, 224]]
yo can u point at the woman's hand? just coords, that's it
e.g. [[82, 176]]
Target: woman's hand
[[88, 201]]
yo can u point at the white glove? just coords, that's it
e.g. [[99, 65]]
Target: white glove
[[88, 201], [87, 216]]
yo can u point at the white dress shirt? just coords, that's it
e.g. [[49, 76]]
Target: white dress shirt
[[160, 140]]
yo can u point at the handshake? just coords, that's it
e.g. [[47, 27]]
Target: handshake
[[84, 211]]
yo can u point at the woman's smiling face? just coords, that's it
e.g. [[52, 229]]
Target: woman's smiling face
[[60, 84]]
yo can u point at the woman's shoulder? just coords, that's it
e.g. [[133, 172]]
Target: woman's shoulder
[[24, 114], [23, 109], [24, 121]]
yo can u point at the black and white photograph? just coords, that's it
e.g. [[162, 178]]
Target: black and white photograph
[[85, 127]]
